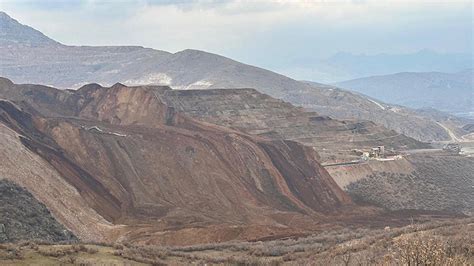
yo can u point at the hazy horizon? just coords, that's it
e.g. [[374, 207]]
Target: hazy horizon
[[291, 38]]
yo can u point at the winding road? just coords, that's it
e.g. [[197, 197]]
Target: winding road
[[450, 133]]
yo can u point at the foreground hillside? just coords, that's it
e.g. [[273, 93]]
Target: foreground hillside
[[438, 243], [27, 56]]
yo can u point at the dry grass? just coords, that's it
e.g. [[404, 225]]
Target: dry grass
[[435, 243], [438, 243]]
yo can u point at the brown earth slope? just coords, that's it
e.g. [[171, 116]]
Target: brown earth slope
[[443, 182], [134, 169], [259, 114]]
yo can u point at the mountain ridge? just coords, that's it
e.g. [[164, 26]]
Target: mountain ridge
[[74, 66], [12, 32], [448, 92]]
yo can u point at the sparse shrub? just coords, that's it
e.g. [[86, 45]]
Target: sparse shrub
[[33, 246], [92, 250], [289, 257], [82, 248], [69, 259], [119, 246], [419, 251], [58, 252], [272, 250], [151, 255], [422, 249], [446, 243], [11, 253], [79, 248]]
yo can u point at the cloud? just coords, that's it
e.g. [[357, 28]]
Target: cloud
[[274, 34]]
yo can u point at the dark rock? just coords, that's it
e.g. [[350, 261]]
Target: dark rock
[[22, 217]]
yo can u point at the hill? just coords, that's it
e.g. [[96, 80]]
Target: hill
[[259, 114], [66, 66], [427, 187], [347, 66], [117, 163], [12, 33], [152, 165], [448, 92], [414, 180]]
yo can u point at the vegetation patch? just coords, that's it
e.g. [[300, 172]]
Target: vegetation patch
[[22, 217]]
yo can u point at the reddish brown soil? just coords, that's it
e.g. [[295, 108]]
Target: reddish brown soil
[[138, 163], [161, 177]]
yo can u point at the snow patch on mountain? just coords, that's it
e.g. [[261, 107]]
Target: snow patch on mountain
[[153, 78]]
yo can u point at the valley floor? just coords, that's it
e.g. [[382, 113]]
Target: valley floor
[[442, 242]]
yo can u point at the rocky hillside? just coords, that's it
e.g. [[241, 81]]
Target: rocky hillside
[[438, 182], [67, 66], [415, 181], [259, 114], [117, 163], [12, 33], [25, 218], [342, 104]]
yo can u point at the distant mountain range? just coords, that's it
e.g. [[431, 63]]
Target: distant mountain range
[[28, 56], [448, 92], [346, 66]]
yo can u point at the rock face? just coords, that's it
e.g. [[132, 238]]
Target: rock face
[[66, 66], [152, 174], [25, 218]]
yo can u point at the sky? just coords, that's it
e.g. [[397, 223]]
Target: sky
[[272, 34]]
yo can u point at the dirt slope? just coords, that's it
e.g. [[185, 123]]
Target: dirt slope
[[259, 114], [145, 169], [440, 183]]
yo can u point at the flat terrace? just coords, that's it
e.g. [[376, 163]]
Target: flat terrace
[[259, 114]]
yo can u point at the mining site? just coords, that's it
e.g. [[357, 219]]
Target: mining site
[[312, 152]]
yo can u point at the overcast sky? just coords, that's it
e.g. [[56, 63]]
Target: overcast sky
[[264, 33]]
